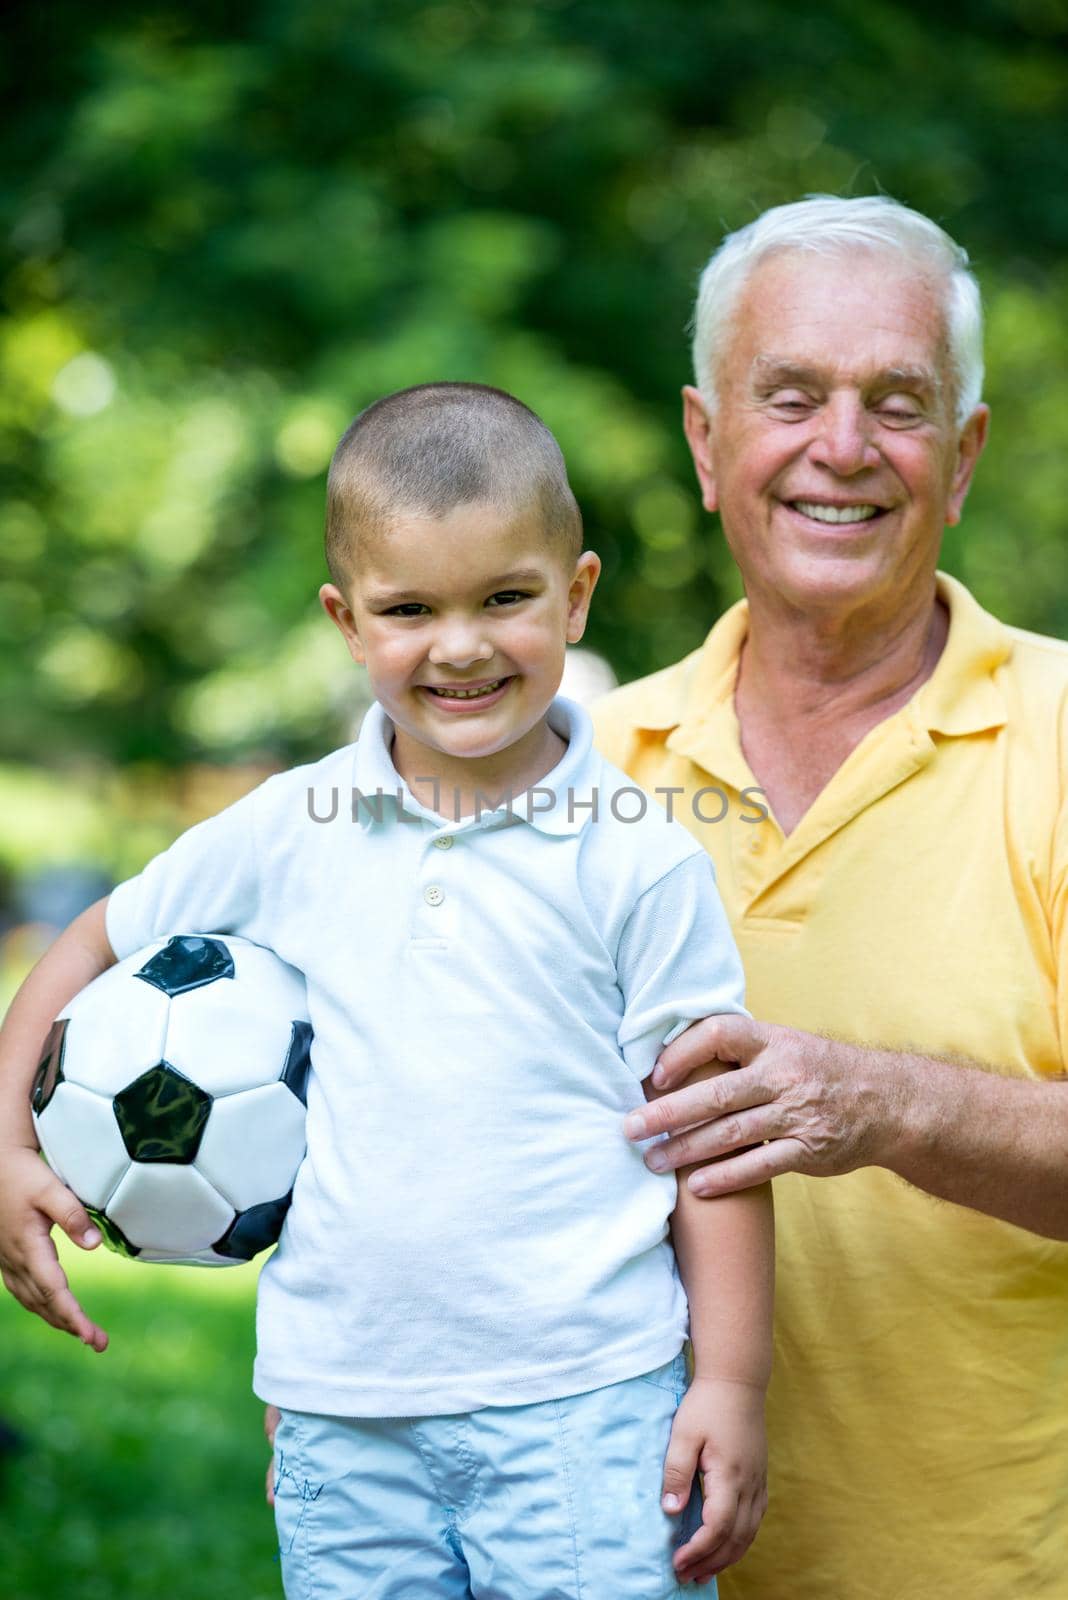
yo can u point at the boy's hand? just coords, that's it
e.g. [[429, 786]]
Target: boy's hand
[[32, 1201], [271, 1418], [719, 1431]]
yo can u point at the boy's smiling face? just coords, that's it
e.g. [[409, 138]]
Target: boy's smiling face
[[462, 623]]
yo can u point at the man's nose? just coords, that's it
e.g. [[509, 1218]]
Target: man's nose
[[459, 642], [843, 441]]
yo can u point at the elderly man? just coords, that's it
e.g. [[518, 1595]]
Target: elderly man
[[906, 896]]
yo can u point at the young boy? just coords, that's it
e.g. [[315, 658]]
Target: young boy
[[473, 1323]]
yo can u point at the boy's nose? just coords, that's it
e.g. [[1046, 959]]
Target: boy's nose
[[460, 645]]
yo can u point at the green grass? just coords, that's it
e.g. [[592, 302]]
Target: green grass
[[143, 1472]]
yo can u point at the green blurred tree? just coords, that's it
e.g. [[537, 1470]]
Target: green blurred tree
[[227, 231]]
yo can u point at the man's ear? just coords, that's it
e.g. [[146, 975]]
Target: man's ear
[[580, 593], [970, 447], [697, 426], [339, 611]]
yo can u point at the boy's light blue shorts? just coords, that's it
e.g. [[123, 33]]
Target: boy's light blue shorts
[[555, 1501]]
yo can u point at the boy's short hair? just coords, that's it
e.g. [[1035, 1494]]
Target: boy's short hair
[[437, 446]]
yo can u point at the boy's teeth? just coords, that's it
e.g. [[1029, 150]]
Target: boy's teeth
[[809, 508], [468, 694]]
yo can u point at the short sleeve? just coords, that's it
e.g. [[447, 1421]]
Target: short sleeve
[[206, 882], [1059, 927], [677, 962]]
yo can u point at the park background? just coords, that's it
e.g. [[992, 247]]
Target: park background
[[225, 230]]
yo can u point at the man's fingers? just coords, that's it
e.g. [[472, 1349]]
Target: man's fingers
[[732, 1131], [724, 1037], [749, 1169], [698, 1103]]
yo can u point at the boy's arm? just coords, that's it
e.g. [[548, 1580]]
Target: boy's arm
[[32, 1198], [725, 1251]]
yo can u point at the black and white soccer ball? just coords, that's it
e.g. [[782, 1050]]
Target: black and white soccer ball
[[171, 1098]]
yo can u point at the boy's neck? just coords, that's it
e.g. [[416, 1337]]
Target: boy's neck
[[456, 787]]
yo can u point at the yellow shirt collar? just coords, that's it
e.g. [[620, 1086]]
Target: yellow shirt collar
[[696, 696]]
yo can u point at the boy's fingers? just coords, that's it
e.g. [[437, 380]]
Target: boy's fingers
[[63, 1207], [680, 1464], [719, 1513], [40, 1284], [271, 1418]]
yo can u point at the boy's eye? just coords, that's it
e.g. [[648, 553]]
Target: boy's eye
[[507, 597], [409, 608]]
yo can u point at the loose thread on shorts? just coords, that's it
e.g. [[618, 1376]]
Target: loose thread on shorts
[[306, 1492]]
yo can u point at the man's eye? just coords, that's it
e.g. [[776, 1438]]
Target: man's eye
[[791, 403], [507, 597], [899, 413]]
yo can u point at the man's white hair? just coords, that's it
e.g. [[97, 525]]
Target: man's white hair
[[829, 225]]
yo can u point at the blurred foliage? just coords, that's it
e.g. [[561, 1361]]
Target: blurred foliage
[[142, 1469], [228, 229]]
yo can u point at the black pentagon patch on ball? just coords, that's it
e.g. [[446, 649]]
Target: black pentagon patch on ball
[[298, 1061], [161, 1116], [186, 962], [50, 1067], [253, 1230], [113, 1235]]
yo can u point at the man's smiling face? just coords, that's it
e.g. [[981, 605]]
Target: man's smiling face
[[833, 456]]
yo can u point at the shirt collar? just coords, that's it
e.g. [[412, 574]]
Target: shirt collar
[[962, 695], [561, 803], [696, 696]]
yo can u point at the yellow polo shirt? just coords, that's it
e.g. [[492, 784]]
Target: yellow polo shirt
[[918, 1413]]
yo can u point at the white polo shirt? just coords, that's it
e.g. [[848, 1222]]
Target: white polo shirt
[[469, 1226]]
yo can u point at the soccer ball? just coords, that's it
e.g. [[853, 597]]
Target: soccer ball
[[171, 1097]]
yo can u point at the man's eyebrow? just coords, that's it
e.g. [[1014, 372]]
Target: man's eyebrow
[[776, 370], [923, 378]]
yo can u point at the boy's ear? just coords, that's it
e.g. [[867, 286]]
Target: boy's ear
[[339, 611], [580, 593]]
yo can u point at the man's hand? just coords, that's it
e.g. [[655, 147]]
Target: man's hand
[[719, 1431], [271, 1418], [795, 1103], [32, 1201]]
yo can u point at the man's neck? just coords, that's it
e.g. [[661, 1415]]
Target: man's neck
[[809, 690], [800, 664]]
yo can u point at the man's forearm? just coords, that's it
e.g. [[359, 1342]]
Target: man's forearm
[[994, 1143]]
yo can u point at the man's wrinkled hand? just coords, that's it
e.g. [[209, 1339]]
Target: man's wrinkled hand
[[795, 1102]]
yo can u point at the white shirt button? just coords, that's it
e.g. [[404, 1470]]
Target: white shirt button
[[433, 894], [444, 841]]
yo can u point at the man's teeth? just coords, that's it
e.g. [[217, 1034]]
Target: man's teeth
[[468, 694], [809, 508]]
